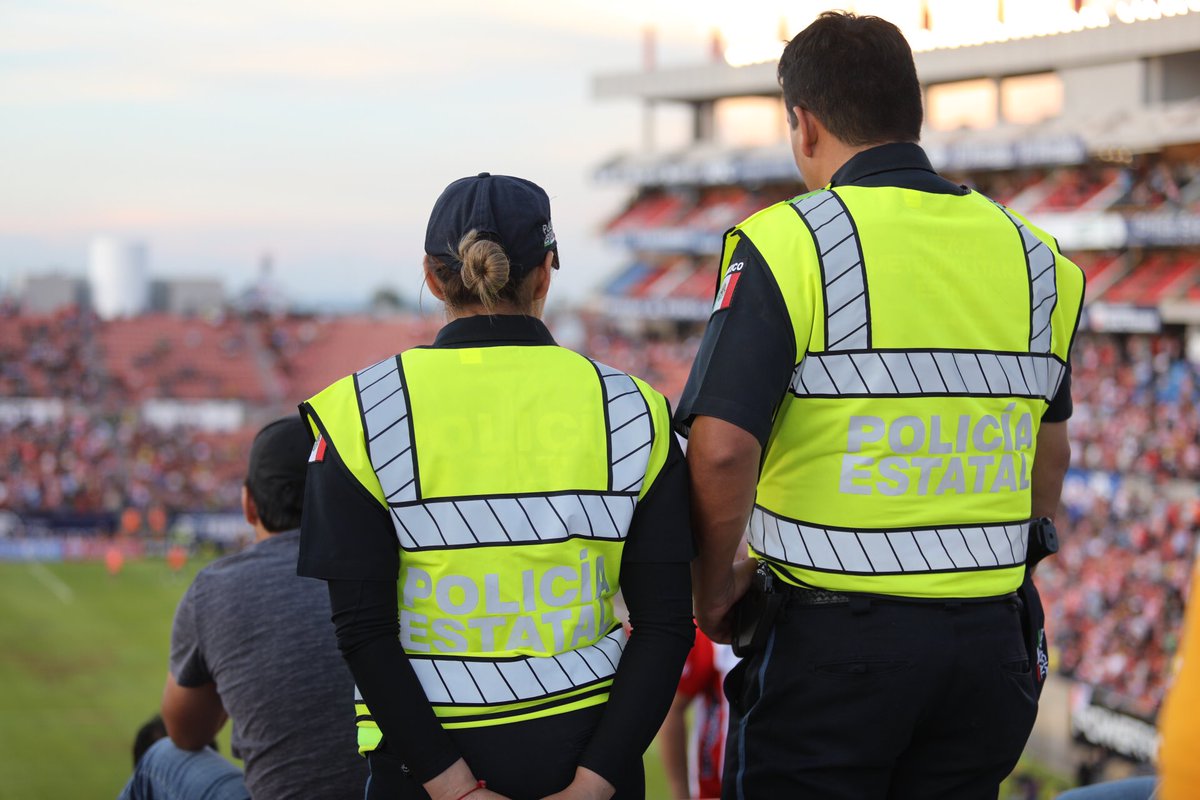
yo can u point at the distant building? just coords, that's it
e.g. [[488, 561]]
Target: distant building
[[266, 294], [187, 296], [117, 274], [45, 294]]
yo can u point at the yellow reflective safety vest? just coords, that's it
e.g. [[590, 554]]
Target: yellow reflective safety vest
[[511, 474], [932, 331]]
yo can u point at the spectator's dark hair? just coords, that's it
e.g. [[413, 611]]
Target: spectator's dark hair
[[150, 732], [279, 509], [856, 75]]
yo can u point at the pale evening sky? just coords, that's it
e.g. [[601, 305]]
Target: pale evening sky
[[321, 131]]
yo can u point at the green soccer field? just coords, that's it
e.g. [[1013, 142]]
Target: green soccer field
[[83, 656]]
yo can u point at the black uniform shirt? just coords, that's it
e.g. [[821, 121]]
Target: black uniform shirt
[[748, 352]]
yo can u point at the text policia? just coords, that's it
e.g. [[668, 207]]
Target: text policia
[[977, 454], [499, 611]]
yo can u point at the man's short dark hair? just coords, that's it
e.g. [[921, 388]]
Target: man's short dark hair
[[856, 75], [279, 510], [276, 472]]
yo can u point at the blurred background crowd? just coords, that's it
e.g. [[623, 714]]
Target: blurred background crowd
[[1131, 515]]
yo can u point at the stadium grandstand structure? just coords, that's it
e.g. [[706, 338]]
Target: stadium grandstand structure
[[1111, 166], [1095, 135]]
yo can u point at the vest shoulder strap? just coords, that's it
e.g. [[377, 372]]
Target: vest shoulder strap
[[387, 428], [334, 414], [630, 429]]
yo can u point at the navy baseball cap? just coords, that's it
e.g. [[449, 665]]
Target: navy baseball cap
[[513, 212]]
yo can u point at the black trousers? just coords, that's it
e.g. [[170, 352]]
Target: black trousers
[[881, 699], [520, 760]]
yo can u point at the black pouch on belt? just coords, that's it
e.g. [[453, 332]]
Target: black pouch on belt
[[755, 613], [1033, 625], [1043, 541]]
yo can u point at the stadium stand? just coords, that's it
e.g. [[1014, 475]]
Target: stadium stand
[[312, 353], [159, 355]]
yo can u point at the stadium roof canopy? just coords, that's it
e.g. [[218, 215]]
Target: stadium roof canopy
[[1118, 42], [1126, 88]]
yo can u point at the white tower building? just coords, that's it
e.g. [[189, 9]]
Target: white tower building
[[117, 275]]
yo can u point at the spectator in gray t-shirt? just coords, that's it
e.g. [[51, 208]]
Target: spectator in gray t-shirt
[[249, 643]]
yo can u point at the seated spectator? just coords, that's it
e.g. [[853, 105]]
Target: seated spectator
[[693, 760], [252, 641]]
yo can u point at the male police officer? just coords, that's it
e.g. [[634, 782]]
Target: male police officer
[[881, 397]]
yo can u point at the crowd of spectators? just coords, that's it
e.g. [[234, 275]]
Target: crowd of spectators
[[50, 355], [1152, 183], [1146, 183], [86, 463], [661, 361], [87, 450], [1116, 591], [1136, 403], [72, 440]]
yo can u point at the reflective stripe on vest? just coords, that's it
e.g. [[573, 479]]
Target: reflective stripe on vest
[[514, 520], [388, 428], [452, 681], [630, 431], [847, 306], [926, 373], [1043, 288], [887, 552]]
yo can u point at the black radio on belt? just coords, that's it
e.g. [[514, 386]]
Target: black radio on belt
[[1043, 540], [755, 613]]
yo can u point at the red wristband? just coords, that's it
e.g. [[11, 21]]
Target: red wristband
[[478, 785]]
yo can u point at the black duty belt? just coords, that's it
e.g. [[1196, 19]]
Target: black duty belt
[[814, 597], [802, 596]]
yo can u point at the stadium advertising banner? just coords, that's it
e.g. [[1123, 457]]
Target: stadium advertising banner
[[88, 537], [1034, 151], [1164, 229], [37, 525], [674, 308], [212, 527], [703, 167], [684, 240], [1120, 318], [207, 415], [1078, 230], [1096, 720], [39, 410]]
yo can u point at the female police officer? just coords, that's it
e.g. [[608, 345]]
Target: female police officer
[[494, 487]]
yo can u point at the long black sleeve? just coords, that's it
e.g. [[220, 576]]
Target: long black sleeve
[[656, 581], [364, 615], [659, 597]]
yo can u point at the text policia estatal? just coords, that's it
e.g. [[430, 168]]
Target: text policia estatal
[[964, 454], [470, 614]]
